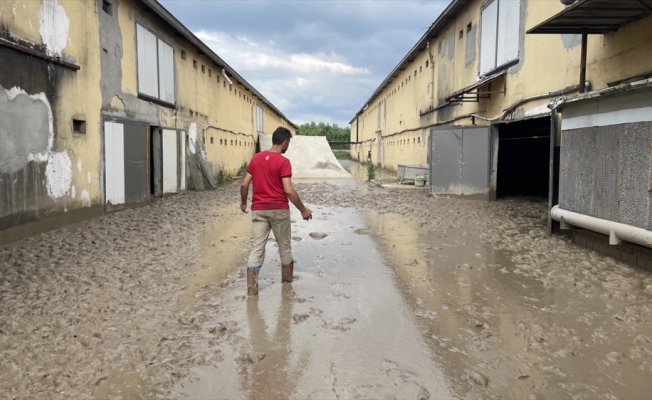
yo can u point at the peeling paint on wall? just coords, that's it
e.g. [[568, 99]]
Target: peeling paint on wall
[[85, 198], [58, 174], [192, 136], [73, 193], [571, 41], [451, 45], [26, 131], [54, 26], [471, 45], [79, 164], [88, 178]]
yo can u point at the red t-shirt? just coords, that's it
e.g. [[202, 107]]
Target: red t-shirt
[[268, 169]]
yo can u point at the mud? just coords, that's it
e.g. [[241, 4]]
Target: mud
[[405, 296]]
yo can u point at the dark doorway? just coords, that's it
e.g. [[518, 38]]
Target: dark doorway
[[524, 158], [155, 162]]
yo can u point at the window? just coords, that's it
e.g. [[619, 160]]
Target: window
[[420, 69], [203, 69], [469, 27], [107, 7], [194, 64], [499, 34], [426, 63], [183, 55], [210, 73], [79, 126], [155, 66], [259, 118], [211, 140]]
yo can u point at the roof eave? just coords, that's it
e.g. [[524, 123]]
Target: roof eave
[[167, 16], [441, 22]]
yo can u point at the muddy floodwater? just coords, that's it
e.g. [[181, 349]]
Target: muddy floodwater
[[396, 295]]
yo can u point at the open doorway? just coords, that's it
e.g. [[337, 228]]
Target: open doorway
[[156, 162], [524, 158]]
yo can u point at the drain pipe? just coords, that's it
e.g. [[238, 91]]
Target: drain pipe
[[616, 231], [514, 106]]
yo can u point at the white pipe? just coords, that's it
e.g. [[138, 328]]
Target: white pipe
[[226, 77], [616, 231]]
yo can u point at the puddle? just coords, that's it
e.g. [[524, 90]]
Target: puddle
[[341, 329], [496, 327], [222, 248]]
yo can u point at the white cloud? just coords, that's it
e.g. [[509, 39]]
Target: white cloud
[[249, 55], [306, 87]]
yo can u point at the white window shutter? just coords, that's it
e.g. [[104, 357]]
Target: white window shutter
[[489, 20], [166, 71], [259, 118], [147, 62], [509, 17]]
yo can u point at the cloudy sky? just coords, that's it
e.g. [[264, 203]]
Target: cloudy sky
[[315, 60]]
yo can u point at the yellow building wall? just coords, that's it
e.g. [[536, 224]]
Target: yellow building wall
[[221, 113], [547, 63]]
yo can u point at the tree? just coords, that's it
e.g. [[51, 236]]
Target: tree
[[333, 133]]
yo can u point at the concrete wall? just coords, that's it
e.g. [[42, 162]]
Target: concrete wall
[[46, 168], [546, 63]]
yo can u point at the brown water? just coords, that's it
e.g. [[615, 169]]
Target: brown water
[[406, 296]]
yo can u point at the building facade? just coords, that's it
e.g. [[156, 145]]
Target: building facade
[[102, 101], [524, 98]]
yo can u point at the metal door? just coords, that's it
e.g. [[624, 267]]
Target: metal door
[[460, 160]]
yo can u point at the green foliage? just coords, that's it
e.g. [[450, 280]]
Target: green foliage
[[243, 169], [342, 155], [333, 133], [371, 171], [222, 177]]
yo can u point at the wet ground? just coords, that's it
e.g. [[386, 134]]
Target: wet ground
[[396, 295]]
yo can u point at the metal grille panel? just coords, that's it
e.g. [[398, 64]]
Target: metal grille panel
[[606, 172]]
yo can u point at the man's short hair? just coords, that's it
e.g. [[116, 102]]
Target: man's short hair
[[280, 135]]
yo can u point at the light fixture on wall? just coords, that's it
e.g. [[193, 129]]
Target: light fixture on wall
[[567, 2]]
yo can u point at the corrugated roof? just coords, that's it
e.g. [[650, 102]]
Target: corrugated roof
[[478, 84], [595, 16], [162, 12]]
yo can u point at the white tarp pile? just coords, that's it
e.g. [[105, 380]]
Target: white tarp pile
[[311, 157]]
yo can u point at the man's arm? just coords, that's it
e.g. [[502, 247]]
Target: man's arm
[[244, 192], [293, 196]]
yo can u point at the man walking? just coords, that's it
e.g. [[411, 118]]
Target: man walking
[[271, 174]]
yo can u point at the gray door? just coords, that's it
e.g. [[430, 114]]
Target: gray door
[[445, 164], [460, 160]]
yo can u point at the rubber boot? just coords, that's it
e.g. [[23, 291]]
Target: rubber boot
[[286, 273], [252, 282]]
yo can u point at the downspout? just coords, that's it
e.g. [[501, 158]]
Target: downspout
[[432, 75], [585, 45], [357, 128]]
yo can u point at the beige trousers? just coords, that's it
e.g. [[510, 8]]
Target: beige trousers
[[262, 223]]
